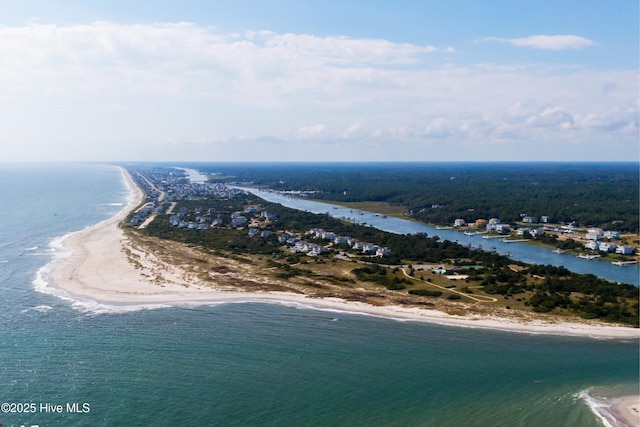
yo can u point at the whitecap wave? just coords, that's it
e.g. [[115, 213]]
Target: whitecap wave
[[115, 204], [39, 308], [601, 408]]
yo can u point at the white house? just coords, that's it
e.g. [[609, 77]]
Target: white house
[[340, 240], [459, 222], [502, 228], [595, 233], [607, 247], [612, 234], [383, 252], [593, 245]]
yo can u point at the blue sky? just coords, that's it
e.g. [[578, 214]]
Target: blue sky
[[320, 81]]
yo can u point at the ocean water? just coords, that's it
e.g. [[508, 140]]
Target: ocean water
[[257, 364]]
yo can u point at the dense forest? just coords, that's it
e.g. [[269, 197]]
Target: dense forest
[[591, 194]]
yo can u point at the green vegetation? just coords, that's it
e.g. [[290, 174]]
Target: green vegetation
[[543, 289], [604, 195], [381, 276], [425, 293]]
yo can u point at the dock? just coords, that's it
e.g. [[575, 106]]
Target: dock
[[623, 263], [588, 257], [513, 241]]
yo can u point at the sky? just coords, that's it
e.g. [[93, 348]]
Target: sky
[[334, 80]]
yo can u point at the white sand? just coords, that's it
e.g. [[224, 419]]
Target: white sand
[[99, 269], [629, 410]]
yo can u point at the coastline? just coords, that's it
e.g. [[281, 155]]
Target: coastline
[[628, 409], [100, 268]]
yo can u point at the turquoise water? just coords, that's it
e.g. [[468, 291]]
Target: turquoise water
[[257, 364]]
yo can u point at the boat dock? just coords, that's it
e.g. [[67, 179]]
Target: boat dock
[[623, 263], [513, 241]]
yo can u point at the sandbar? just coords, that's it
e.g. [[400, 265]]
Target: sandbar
[[99, 268], [629, 410]]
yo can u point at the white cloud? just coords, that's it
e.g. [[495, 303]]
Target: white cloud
[[141, 86], [546, 42], [310, 131]]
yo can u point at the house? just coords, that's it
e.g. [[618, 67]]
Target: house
[[536, 232], [593, 245], [502, 228], [328, 235], [238, 221], [254, 232], [287, 238], [439, 270], [607, 247], [493, 223], [480, 223], [595, 233], [268, 216], [383, 252], [611, 234], [529, 219], [339, 240], [459, 222], [625, 250], [544, 219]]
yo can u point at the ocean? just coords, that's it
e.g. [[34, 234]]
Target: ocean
[[67, 361]]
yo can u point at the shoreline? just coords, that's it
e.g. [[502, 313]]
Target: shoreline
[[628, 409], [615, 411], [99, 268]]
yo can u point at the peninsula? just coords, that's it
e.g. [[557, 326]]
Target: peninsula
[[113, 263]]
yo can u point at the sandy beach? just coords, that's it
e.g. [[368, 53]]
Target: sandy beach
[[629, 410], [100, 268]]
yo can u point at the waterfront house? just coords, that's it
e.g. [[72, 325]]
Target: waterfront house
[[607, 247], [595, 233], [459, 222], [593, 245], [536, 232], [502, 228], [625, 250]]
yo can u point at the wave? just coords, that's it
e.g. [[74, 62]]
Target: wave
[[602, 408], [39, 308], [115, 204]]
